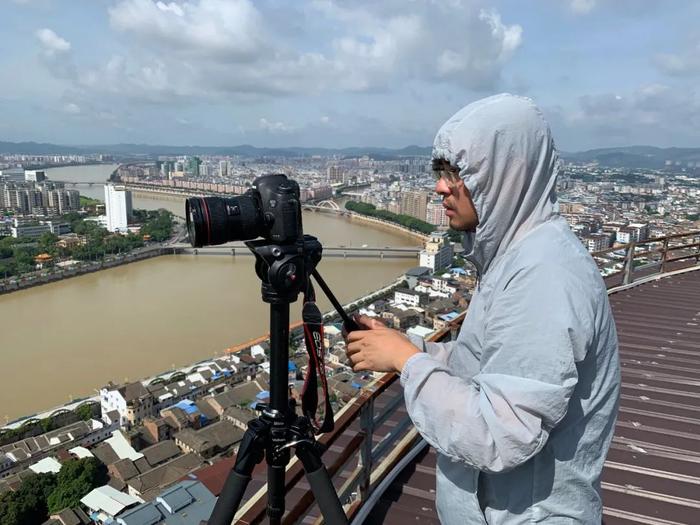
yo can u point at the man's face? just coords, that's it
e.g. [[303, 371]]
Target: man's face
[[456, 199]]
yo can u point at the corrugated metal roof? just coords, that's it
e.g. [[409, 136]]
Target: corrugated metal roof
[[652, 474]]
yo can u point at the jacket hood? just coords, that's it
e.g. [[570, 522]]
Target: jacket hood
[[506, 156]]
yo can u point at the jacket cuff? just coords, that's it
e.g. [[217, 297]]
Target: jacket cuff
[[411, 363]]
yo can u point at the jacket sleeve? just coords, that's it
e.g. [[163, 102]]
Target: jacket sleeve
[[502, 416], [439, 351]]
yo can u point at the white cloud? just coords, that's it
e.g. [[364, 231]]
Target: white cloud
[[274, 127], [71, 108], [228, 29], [51, 43], [582, 7], [220, 48], [655, 114], [686, 63]]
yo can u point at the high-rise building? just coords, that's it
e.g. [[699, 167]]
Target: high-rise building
[[415, 204], [118, 207], [435, 214], [61, 201], [166, 168], [437, 253], [335, 174], [192, 167], [223, 168]]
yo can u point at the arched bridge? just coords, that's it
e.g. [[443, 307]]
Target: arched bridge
[[332, 205]]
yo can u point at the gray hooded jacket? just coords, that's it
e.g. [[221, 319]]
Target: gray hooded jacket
[[521, 407]]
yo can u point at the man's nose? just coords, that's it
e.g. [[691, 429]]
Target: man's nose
[[441, 187]]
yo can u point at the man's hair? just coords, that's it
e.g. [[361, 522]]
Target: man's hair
[[443, 168]]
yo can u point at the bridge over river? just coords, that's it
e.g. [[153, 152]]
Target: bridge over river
[[236, 249]]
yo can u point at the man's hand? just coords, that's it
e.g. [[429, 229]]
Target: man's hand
[[377, 347]]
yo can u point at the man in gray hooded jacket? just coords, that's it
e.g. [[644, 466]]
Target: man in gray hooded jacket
[[521, 407]]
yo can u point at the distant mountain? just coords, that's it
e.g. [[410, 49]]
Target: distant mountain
[[648, 157], [148, 150], [38, 148], [627, 157]]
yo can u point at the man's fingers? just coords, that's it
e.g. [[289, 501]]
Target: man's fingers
[[356, 335], [359, 367], [352, 348], [368, 322]]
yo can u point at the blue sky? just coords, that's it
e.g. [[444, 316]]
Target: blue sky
[[344, 73]]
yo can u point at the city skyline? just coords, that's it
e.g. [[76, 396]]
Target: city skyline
[[209, 72]]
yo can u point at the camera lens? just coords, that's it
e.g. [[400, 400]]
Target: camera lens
[[214, 220]]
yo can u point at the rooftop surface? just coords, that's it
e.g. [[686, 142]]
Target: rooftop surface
[[652, 473]]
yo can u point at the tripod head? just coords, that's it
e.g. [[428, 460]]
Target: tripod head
[[284, 269]]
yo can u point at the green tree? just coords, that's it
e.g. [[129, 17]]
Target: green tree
[[47, 243], [24, 258], [84, 412], [28, 504], [159, 225], [74, 481]]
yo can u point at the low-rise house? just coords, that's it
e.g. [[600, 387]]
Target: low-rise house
[[401, 319], [442, 320], [331, 335], [238, 416], [106, 503], [149, 484], [32, 449], [409, 297], [69, 517], [188, 499], [155, 430], [211, 440], [132, 400], [123, 470], [419, 331], [414, 274], [160, 453]]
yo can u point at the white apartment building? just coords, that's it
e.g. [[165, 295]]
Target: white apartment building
[[132, 401], [437, 253], [407, 297], [118, 207], [596, 242], [29, 230]]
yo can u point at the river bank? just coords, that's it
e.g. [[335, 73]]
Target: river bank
[[51, 275]]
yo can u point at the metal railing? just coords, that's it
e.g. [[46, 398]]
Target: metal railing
[[622, 265], [364, 461]]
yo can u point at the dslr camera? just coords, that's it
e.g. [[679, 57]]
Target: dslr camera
[[270, 209]]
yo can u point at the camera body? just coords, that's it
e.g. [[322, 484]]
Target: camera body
[[281, 208], [271, 209]]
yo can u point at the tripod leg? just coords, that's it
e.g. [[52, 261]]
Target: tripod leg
[[250, 453], [321, 486]]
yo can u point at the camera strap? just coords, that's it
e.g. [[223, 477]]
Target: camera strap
[[316, 369]]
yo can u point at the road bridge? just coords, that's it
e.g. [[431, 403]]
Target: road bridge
[[235, 249], [73, 184]]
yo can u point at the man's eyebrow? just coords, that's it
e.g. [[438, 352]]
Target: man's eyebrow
[[444, 165]]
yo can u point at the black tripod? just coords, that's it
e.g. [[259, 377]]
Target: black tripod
[[284, 270]]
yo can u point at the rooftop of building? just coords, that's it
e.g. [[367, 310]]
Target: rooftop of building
[[653, 467]]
